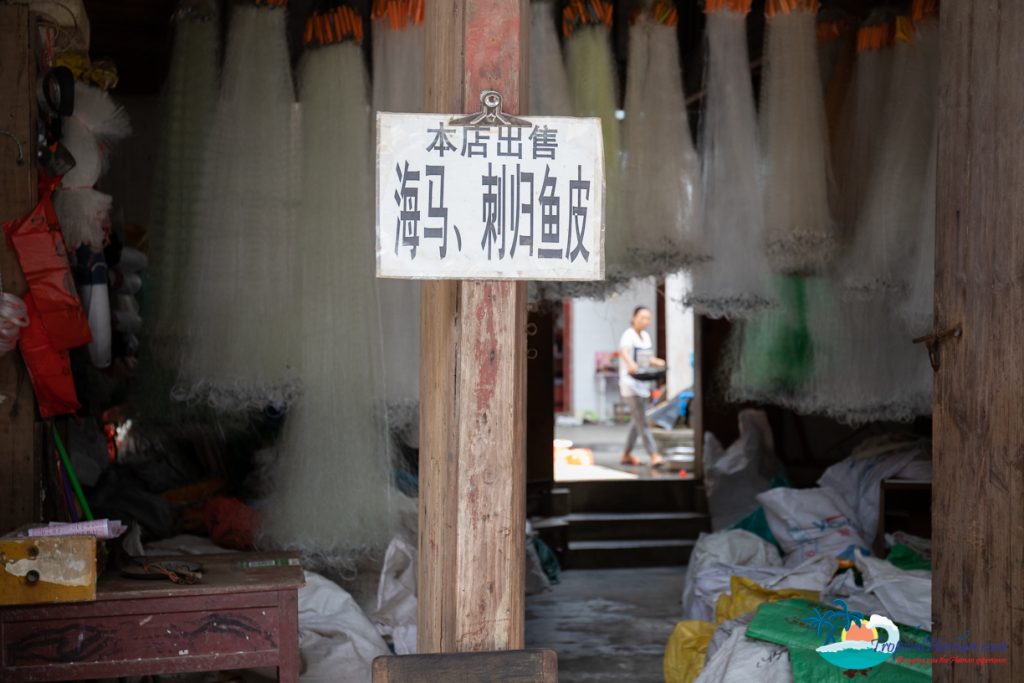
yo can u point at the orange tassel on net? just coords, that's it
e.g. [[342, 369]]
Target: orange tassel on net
[[836, 29], [922, 9], [773, 7], [400, 13], [334, 26], [875, 37], [665, 12], [742, 6], [586, 13]]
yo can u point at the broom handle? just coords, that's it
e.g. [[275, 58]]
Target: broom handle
[[72, 477]]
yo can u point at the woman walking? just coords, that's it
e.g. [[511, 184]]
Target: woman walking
[[636, 354]]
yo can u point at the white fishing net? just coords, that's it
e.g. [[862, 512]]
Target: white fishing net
[[800, 230], [240, 292], [188, 99], [549, 84], [735, 282], [818, 353], [592, 81], [661, 174], [857, 143], [330, 493], [917, 310], [888, 226], [398, 78]]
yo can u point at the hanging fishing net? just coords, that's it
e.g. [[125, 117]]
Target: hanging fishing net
[[865, 366], [661, 175], [330, 495], [549, 84], [187, 102], [857, 143], [800, 231], [819, 354], [188, 99], [398, 78], [240, 289], [771, 356], [735, 282], [917, 309], [95, 125], [834, 29], [586, 25], [888, 224]]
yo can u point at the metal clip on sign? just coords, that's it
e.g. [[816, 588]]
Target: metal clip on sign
[[491, 114]]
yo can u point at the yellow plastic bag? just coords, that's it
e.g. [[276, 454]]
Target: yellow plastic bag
[[686, 650], [746, 596]]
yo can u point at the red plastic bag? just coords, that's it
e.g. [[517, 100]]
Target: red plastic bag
[[39, 244], [49, 368]]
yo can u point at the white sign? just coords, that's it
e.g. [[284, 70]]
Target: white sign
[[500, 202]]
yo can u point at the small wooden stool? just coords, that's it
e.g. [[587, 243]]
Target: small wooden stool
[[512, 666]]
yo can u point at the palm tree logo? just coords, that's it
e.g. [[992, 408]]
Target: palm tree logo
[[825, 624]]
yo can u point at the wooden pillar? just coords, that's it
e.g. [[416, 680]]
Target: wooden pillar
[[978, 500], [20, 479], [472, 377]]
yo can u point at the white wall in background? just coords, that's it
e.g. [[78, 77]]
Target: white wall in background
[[597, 326], [678, 334]]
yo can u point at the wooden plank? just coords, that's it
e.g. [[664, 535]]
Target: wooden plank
[[978, 504], [520, 666], [472, 379], [19, 466]]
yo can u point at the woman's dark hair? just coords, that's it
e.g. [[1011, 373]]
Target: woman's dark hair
[[638, 309]]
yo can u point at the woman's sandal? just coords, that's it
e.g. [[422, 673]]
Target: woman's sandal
[[657, 462], [630, 460]]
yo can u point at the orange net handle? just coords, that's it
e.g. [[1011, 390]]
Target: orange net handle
[[400, 13], [774, 7], [333, 26]]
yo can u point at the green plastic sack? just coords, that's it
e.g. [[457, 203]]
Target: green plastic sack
[[904, 557], [783, 623]]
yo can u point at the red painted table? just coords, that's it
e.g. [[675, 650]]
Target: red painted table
[[234, 618]]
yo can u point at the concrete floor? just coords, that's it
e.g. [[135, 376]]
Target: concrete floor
[[607, 625], [606, 441]]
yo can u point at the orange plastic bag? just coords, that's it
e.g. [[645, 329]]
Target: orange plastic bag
[[49, 368], [40, 248]]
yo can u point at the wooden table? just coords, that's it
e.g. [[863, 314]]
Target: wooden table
[[234, 618]]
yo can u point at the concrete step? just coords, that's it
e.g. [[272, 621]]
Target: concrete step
[[560, 501], [640, 495], [614, 526], [632, 553]]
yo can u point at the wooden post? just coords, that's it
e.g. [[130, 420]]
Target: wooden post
[[978, 499], [472, 377], [20, 479]]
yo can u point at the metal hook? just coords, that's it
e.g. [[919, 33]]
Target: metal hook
[[931, 342], [491, 115], [21, 150]]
